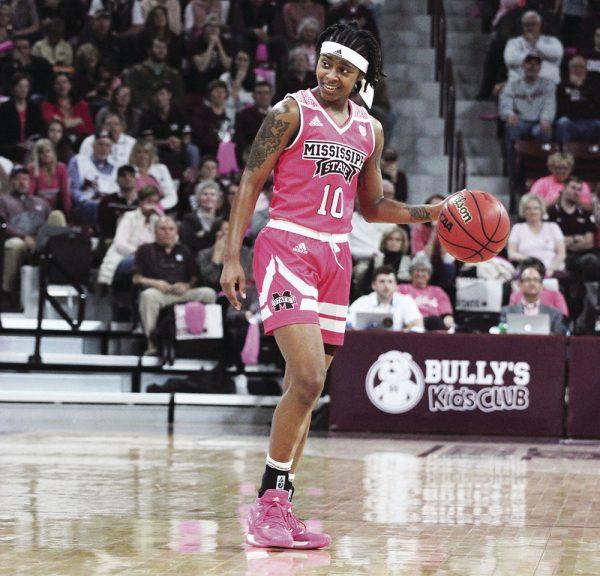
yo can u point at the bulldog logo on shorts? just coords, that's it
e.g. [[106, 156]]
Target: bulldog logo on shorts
[[285, 300]]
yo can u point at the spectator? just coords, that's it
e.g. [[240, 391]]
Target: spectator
[[433, 303], [256, 23], [578, 229], [527, 106], [592, 56], [62, 105], [552, 298], [143, 77], [5, 23], [298, 76], [349, 10], [20, 60], [249, 120], [167, 272], [394, 251], [25, 18], [142, 10], [6, 167], [112, 206], [87, 59], [389, 170], [240, 80], [536, 238], [207, 170], [530, 283], [122, 144], [386, 298], [167, 124], [572, 13], [548, 187], [24, 215], [48, 177], [150, 172], [296, 11], [106, 41], [92, 178], [424, 238], [60, 143], [196, 13], [196, 227], [308, 35], [209, 121], [136, 227], [578, 106], [210, 260], [120, 103], [548, 48], [21, 120], [210, 56], [157, 26], [53, 47]]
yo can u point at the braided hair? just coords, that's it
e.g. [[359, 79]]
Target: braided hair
[[361, 41]]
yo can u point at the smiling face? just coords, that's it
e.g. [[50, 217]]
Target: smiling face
[[336, 77], [208, 198], [533, 212]]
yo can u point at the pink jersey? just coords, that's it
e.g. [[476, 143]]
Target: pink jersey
[[316, 176]]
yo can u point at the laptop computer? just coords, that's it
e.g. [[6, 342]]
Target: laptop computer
[[374, 320], [522, 324]]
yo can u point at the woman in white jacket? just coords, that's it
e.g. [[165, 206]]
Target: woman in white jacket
[[135, 228], [150, 172]]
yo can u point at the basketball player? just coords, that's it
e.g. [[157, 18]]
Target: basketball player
[[323, 149]]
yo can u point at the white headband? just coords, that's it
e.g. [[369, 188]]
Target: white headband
[[334, 49], [347, 54]]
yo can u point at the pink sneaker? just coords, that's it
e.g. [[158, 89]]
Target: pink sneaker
[[268, 521], [302, 537]]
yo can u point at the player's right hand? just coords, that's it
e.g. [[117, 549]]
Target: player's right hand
[[233, 276]]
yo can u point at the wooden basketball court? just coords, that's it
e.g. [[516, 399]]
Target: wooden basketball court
[[93, 503]]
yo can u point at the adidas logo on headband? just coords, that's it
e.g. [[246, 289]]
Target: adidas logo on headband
[[338, 52]]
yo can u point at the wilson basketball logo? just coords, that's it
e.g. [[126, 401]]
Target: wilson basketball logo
[[461, 205], [395, 383], [333, 158]]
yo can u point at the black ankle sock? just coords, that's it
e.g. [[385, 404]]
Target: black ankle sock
[[273, 479], [290, 489]]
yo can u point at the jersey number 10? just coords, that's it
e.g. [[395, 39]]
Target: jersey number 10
[[337, 202]]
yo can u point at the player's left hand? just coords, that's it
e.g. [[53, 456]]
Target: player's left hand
[[233, 276]]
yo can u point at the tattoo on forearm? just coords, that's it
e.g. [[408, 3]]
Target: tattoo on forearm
[[268, 138], [419, 212]]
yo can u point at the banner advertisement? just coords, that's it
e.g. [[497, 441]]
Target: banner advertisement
[[456, 384], [583, 410]]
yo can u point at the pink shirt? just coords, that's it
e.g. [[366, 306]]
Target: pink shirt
[[431, 300], [316, 176], [419, 236], [54, 188], [551, 298], [548, 189]]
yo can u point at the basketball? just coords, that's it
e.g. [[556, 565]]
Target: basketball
[[473, 226]]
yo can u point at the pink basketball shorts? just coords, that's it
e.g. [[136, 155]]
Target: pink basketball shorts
[[303, 279]]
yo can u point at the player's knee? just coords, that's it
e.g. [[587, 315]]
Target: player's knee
[[308, 385]]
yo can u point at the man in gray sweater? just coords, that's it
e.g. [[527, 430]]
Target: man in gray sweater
[[527, 107]]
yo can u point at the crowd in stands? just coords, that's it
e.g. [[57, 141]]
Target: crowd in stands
[[132, 122]]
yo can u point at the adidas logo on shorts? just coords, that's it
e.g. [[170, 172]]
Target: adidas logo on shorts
[[300, 248], [315, 122]]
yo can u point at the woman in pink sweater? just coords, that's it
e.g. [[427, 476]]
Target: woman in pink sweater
[[48, 178]]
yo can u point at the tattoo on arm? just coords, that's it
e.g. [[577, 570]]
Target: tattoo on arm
[[268, 139], [419, 212]]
